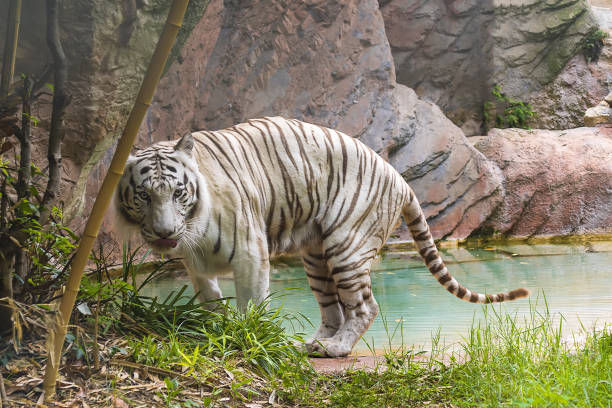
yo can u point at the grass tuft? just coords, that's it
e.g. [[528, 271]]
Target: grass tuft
[[500, 363]]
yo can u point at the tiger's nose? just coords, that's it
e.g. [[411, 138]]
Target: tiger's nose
[[163, 232]]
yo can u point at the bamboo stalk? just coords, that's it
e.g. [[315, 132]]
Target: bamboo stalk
[[143, 101], [3, 397], [10, 47]]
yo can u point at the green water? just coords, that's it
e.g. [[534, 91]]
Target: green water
[[576, 281]]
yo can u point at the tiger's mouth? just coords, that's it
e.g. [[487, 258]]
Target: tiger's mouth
[[165, 243]]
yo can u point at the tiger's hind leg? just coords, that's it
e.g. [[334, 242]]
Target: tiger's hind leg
[[351, 273], [325, 291]]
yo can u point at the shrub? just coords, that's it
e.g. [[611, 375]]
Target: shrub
[[516, 113], [46, 248], [593, 44]]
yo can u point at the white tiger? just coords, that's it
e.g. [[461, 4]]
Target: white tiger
[[228, 200]]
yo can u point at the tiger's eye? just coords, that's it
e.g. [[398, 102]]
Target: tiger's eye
[[177, 194], [143, 195]]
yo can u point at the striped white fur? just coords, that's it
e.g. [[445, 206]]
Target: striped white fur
[[231, 199]]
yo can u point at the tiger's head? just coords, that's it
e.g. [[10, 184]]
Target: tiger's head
[[162, 191]]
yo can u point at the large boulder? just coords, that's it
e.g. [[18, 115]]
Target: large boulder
[[454, 52], [329, 63], [456, 186], [555, 182]]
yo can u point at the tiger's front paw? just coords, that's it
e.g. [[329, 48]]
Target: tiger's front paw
[[327, 348]]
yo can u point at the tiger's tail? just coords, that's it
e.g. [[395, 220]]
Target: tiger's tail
[[415, 219]]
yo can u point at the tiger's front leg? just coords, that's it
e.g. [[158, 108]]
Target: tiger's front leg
[[251, 276], [204, 283]]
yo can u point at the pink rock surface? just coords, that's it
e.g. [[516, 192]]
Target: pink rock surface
[[328, 63], [555, 182], [455, 184]]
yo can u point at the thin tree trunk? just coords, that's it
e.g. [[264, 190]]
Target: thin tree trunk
[[6, 262], [4, 202], [10, 46], [24, 174], [60, 101], [96, 349], [6, 291], [3, 397]]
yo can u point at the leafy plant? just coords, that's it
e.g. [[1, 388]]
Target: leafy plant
[[118, 302], [24, 222], [173, 390], [255, 337], [46, 249], [593, 44], [516, 113]]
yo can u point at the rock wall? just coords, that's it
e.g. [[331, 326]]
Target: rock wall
[[562, 103], [332, 63], [442, 50], [329, 63], [453, 52]]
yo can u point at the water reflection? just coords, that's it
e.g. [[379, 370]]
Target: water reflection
[[576, 280]]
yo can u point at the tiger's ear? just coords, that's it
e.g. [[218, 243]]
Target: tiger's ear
[[129, 162], [185, 144]]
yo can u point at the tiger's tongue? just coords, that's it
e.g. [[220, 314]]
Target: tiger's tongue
[[165, 243]]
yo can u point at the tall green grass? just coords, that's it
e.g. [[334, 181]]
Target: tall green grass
[[502, 362], [178, 328], [255, 337], [531, 365]]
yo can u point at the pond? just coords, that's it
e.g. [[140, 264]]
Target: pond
[[576, 281]]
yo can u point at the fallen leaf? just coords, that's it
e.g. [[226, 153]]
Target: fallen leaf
[[119, 403]]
